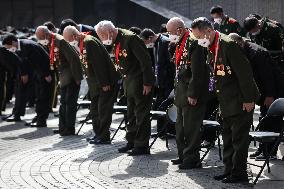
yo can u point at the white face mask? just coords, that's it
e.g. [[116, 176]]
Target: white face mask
[[218, 20], [204, 42], [74, 43], [12, 49], [43, 42], [150, 45], [108, 41], [255, 33], [173, 38]]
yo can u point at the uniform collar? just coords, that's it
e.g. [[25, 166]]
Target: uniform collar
[[19, 45]]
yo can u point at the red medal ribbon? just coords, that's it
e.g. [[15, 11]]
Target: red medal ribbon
[[117, 50], [81, 45], [51, 53], [215, 50], [179, 51]]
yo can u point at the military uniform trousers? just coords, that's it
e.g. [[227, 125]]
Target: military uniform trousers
[[68, 107], [101, 111], [43, 98], [138, 129], [236, 142], [188, 136]]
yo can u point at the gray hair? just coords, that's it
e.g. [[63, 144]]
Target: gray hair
[[105, 26], [201, 23], [235, 37], [42, 29], [71, 30]]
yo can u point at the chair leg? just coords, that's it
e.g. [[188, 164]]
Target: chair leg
[[164, 129], [219, 145], [85, 121], [116, 131], [204, 155]]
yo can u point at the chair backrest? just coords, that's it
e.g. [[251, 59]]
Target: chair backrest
[[276, 108]]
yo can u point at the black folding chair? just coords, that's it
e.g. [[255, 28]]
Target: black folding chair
[[155, 115], [120, 110], [216, 125], [84, 103], [276, 109]]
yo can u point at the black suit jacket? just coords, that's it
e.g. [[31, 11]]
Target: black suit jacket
[[34, 57], [164, 68], [87, 28], [10, 62]]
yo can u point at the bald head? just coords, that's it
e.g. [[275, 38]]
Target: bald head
[[70, 32], [175, 23], [42, 32]]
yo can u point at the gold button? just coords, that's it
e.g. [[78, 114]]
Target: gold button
[[217, 91]]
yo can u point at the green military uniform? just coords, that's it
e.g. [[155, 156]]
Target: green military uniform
[[234, 86], [191, 81], [134, 63], [100, 72], [270, 37], [229, 25], [70, 72]]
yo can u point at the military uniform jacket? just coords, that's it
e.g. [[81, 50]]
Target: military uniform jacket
[[133, 62], [191, 73], [270, 37], [98, 65], [67, 60], [234, 77], [229, 25]]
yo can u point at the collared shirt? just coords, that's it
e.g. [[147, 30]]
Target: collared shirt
[[19, 45]]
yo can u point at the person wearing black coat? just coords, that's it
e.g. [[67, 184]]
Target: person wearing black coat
[[265, 75], [164, 68], [34, 58]]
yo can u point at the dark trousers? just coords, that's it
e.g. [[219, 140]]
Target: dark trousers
[[236, 142], [2, 89], [188, 136], [21, 93], [43, 98], [138, 129], [68, 107], [101, 111]]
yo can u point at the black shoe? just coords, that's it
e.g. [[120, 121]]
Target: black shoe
[[221, 177], [233, 179], [4, 118], [14, 118], [139, 151], [67, 133], [56, 131], [190, 166], [99, 141], [92, 138], [263, 158], [255, 154], [176, 161], [38, 125], [126, 148]]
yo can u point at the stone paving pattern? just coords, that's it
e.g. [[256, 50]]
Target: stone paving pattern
[[36, 158]]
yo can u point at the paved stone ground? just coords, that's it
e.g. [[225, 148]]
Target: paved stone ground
[[36, 158]]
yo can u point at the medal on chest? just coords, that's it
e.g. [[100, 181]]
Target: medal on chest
[[181, 54]]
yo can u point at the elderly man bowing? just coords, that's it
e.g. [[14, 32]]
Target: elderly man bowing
[[102, 80], [134, 62]]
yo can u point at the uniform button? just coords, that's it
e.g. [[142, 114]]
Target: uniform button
[[217, 91]]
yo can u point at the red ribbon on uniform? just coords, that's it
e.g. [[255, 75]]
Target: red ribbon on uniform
[[82, 42], [51, 53], [179, 51], [215, 50], [117, 50]]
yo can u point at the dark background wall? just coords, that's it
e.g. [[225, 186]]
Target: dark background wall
[[31, 13], [238, 9]]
